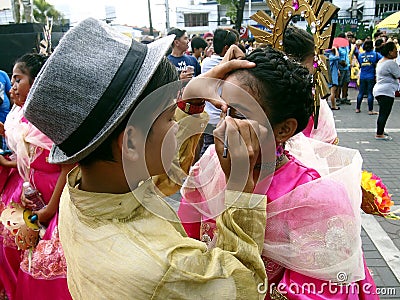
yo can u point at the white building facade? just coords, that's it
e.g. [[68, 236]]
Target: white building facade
[[207, 15]]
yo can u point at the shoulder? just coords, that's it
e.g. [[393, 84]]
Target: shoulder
[[171, 58], [206, 60], [4, 75], [193, 60]]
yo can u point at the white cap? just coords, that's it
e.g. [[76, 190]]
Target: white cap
[[26, 184]]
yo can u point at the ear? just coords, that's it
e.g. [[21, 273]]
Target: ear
[[128, 142], [285, 130]]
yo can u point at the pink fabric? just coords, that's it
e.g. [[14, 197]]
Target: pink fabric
[[47, 277], [326, 131], [285, 179], [309, 127], [48, 258]]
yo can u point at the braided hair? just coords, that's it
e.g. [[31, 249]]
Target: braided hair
[[30, 64], [298, 43], [282, 86]]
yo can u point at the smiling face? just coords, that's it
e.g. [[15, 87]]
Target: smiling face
[[21, 85]]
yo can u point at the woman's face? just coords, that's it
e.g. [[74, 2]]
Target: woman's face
[[242, 99], [308, 62], [21, 85]]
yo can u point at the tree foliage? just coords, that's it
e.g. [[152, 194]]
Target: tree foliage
[[43, 10], [235, 9]]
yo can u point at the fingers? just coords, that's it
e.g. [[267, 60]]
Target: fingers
[[219, 134], [234, 52], [221, 70], [27, 203], [218, 103], [240, 133], [241, 137]]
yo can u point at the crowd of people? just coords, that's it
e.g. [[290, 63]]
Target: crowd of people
[[358, 63], [270, 204]]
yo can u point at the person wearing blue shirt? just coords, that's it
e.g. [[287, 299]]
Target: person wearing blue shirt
[[368, 61], [333, 56], [178, 57], [5, 87], [344, 70]]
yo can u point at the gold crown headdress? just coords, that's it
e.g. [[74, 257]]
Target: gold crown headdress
[[318, 15]]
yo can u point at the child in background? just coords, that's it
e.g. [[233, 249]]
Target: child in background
[[46, 276]]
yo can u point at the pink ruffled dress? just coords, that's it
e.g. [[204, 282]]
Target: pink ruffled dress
[[326, 131], [198, 219], [47, 276]]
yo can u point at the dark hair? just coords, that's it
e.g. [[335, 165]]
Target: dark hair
[[164, 74], [178, 32], [223, 38], [368, 45], [198, 42], [387, 47], [378, 45], [298, 43], [30, 64], [283, 87], [236, 33], [377, 34], [342, 35]]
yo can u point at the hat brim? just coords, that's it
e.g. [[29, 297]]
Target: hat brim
[[156, 51]]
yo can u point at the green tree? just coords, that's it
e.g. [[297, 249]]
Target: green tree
[[235, 9], [362, 32], [43, 10]]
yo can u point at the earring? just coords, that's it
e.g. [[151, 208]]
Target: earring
[[279, 153], [280, 149]]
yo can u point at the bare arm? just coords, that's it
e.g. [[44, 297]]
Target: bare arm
[[46, 213], [7, 163]]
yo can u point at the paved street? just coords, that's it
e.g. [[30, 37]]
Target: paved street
[[381, 237]]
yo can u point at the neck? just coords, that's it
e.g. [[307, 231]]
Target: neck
[[177, 53], [104, 177]]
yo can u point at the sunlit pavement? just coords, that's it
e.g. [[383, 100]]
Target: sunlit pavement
[[381, 237]]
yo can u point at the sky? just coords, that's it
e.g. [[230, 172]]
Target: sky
[[128, 12]]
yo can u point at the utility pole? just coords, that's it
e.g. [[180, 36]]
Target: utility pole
[[150, 21], [249, 12], [167, 26]]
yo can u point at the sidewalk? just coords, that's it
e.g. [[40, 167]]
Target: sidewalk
[[381, 237]]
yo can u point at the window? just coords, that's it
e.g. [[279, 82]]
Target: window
[[193, 20], [381, 8]]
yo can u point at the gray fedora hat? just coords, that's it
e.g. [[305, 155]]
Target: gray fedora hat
[[88, 86]]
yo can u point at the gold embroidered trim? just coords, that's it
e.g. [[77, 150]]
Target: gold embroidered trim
[[276, 295]]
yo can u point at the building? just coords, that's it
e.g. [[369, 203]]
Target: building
[[207, 15]]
